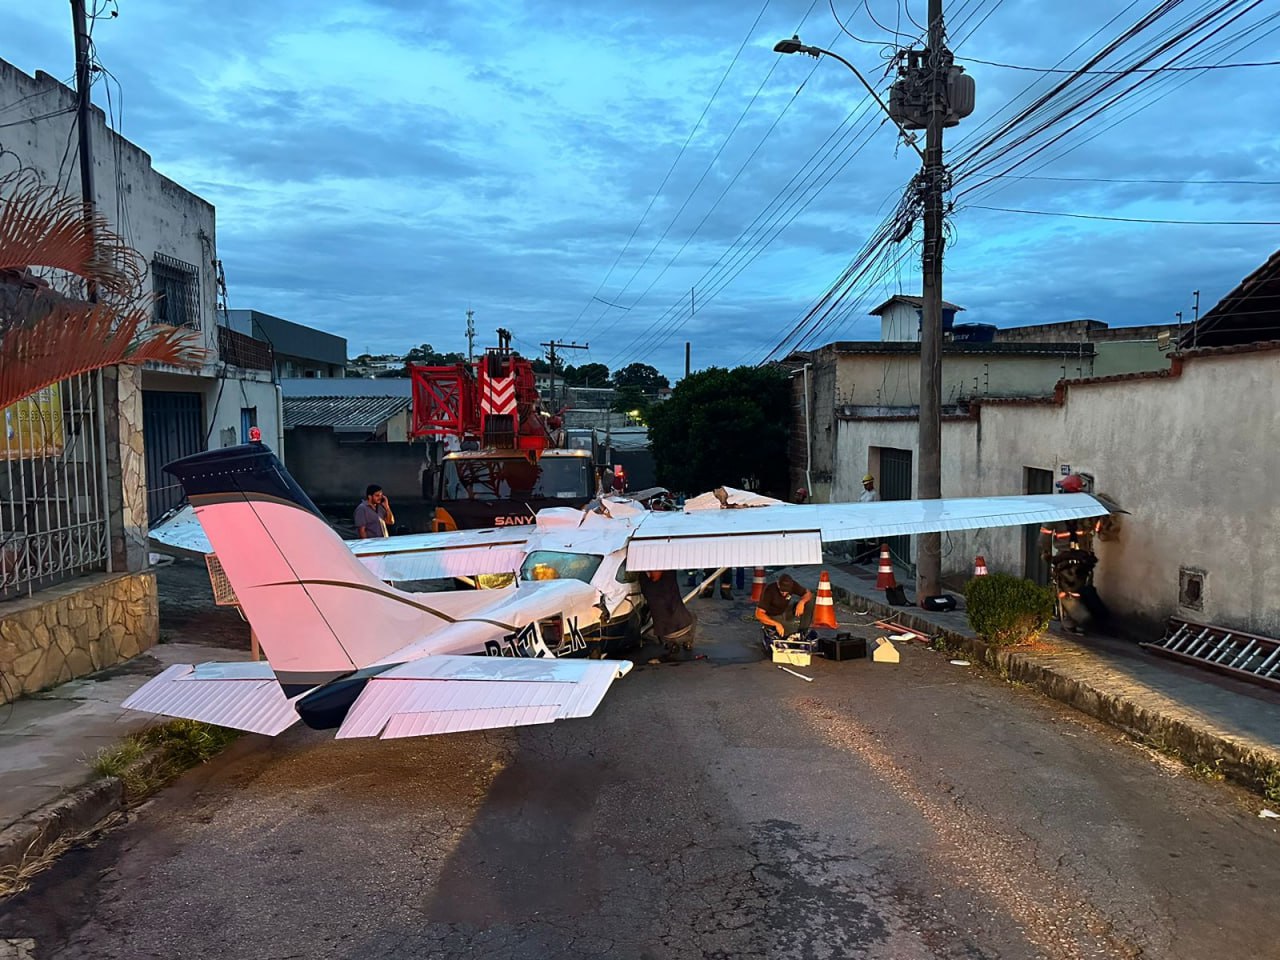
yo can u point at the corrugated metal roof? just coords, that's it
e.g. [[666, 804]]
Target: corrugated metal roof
[[350, 413], [346, 387]]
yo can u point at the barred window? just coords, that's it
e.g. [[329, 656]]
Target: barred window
[[177, 286]]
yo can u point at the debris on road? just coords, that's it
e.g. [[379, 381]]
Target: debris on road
[[794, 674], [960, 663], [1266, 814]]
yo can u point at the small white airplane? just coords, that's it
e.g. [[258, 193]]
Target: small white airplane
[[345, 649]]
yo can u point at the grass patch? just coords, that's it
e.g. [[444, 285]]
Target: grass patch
[[15, 879], [1208, 771], [147, 760], [1270, 785]]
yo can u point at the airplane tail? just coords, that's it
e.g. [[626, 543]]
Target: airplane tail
[[317, 611]]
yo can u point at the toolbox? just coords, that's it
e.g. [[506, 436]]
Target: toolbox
[[843, 646], [798, 653]]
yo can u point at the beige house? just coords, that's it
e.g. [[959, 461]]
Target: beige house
[[1190, 453], [857, 380]]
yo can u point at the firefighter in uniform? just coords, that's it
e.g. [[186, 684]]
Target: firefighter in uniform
[[1067, 547]]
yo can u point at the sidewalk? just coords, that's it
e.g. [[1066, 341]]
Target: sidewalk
[[48, 742], [1197, 714]]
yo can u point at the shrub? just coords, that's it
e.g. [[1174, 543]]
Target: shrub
[[1005, 610]]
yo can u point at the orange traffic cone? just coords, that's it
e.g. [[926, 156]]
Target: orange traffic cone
[[757, 584], [885, 579], [824, 609], [980, 566]]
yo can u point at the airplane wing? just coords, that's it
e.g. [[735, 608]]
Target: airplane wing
[[434, 556], [793, 534], [449, 694], [419, 556], [244, 696]]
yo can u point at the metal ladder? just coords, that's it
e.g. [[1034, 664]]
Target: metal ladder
[[1232, 652]]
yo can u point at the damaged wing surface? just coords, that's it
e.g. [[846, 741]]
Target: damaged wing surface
[[243, 696], [449, 694]]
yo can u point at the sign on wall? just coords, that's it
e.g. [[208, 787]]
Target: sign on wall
[[33, 426]]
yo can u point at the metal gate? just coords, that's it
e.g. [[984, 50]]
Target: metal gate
[[1036, 567], [895, 484], [53, 498], [173, 424]]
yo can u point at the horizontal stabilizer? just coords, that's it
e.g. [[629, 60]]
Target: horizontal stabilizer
[[243, 696], [449, 694]]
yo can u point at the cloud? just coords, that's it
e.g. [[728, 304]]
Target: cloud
[[380, 165]]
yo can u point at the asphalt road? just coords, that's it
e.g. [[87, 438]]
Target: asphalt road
[[713, 809]]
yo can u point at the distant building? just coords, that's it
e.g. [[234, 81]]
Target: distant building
[[298, 350], [900, 317], [355, 408]]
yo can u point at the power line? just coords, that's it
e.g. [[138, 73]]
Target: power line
[[1098, 216], [38, 117], [1226, 46], [723, 272], [689, 139], [1028, 176], [1218, 66], [973, 161]]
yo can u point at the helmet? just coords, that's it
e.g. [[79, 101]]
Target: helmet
[[1071, 483], [868, 479]]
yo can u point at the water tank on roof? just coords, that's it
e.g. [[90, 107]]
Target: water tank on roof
[[973, 333]]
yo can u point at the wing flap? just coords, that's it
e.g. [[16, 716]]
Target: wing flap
[[226, 695], [758, 549], [445, 694]]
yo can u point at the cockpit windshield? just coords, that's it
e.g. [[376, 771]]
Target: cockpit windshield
[[554, 565]]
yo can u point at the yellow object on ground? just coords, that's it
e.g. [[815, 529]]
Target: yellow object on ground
[[885, 651]]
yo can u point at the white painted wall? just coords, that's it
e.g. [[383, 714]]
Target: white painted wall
[[900, 321], [1193, 458], [875, 379], [154, 214]]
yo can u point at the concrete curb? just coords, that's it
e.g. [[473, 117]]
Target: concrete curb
[[71, 814], [1250, 768]]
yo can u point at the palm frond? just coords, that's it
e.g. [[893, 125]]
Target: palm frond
[[40, 227], [75, 338]]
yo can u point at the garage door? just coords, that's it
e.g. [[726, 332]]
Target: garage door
[[173, 427]]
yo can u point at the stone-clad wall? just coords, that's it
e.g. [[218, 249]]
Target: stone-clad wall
[[75, 628]]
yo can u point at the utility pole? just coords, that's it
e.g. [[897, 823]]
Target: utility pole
[[471, 336], [929, 545], [1195, 325], [551, 357], [83, 85], [687, 347]]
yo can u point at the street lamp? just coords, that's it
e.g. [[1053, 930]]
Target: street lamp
[[795, 46], [931, 179]]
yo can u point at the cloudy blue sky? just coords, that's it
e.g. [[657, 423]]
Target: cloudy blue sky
[[379, 166]]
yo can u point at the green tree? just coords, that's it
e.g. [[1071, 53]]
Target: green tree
[[640, 375], [723, 427], [632, 401], [587, 375], [426, 355]]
